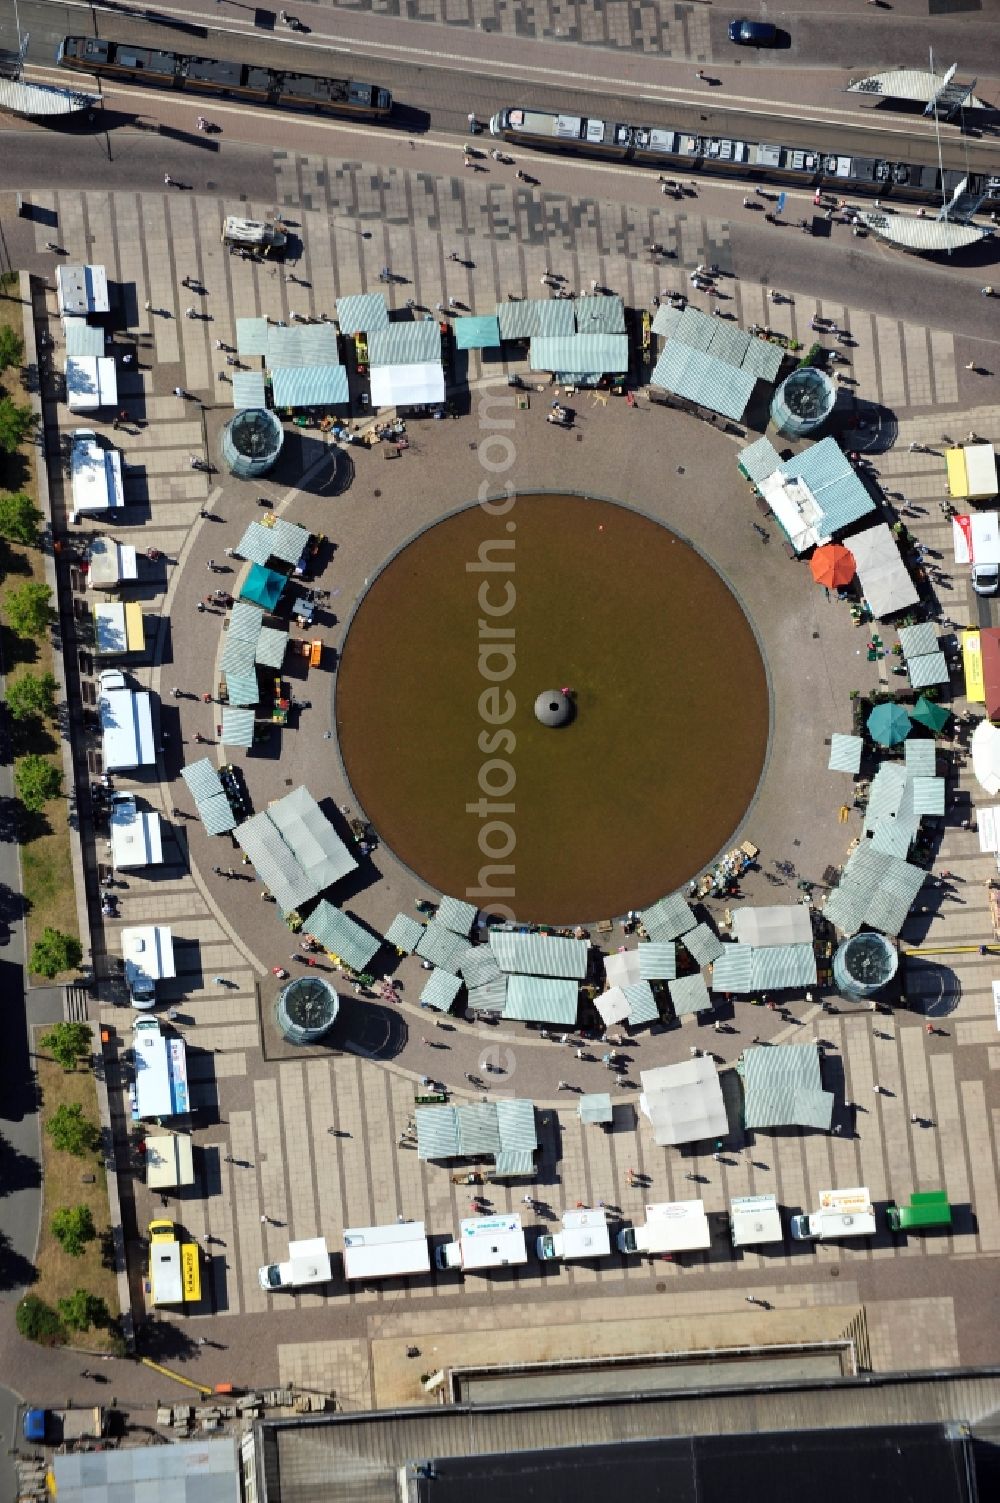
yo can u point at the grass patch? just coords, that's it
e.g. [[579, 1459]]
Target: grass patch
[[45, 850], [59, 1275]]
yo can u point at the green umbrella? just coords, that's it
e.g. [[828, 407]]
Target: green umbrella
[[926, 712], [888, 724]]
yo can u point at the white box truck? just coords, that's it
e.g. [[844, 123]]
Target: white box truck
[[841, 1213], [386, 1252], [584, 1234], [308, 1263], [484, 1242], [977, 543], [754, 1220], [673, 1226]]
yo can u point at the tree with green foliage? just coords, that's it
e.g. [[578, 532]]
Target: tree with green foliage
[[67, 1042], [29, 608], [71, 1131], [37, 1321], [16, 422], [73, 1227], [36, 781], [19, 516], [11, 347], [81, 1310], [52, 953], [32, 694]]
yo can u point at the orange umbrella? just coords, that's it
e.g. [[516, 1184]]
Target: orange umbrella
[[832, 565]]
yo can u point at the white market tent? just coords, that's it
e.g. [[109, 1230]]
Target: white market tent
[[613, 1006], [96, 475], [91, 382], [622, 968], [684, 1101], [407, 385], [127, 727], [136, 837], [796, 508], [111, 563], [985, 746], [884, 578], [776, 924], [169, 1160]]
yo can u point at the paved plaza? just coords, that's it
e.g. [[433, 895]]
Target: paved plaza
[[312, 1142]]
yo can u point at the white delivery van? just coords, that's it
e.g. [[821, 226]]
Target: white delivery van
[[977, 543], [754, 1220], [841, 1213], [584, 1234], [674, 1226], [386, 1252], [484, 1242], [308, 1263], [96, 475]]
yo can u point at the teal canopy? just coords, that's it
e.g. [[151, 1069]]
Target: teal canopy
[[263, 587], [888, 724], [926, 712], [475, 332]]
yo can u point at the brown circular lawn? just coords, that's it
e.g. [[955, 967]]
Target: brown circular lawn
[[450, 648]]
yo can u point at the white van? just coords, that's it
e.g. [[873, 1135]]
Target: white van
[[308, 1263], [584, 1234], [484, 1242], [386, 1252]]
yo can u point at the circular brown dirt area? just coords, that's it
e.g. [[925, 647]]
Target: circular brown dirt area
[[435, 708]]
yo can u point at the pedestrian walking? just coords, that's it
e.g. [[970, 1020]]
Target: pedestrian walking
[[914, 1118], [201, 1341], [86, 1373], [168, 181], [877, 1089], [563, 1085], [470, 1077], [219, 980], [176, 693], [210, 566]]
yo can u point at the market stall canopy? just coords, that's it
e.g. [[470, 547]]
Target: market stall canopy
[[782, 1087], [668, 918], [206, 788], [263, 587], [595, 1107], [416, 385], [925, 712], [440, 990], [833, 566], [362, 313], [477, 332], [888, 724], [249, 391], [774, 924], [613, 1006], [683, 1102], [542, 999], [540, 954], [845, 753], [622, 968], [876, 888], [341, 935], [295, 849], [310, 386], [457, 915], [169, 1160]]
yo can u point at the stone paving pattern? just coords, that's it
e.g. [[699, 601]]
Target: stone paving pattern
[[315, 1141]]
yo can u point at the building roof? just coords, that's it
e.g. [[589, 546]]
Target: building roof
[[850, 1439], [407, 385], [477, 332], [845, 753], [708, 382], [683, 1102], [405, 342], [251, 336], [600, 314], [531, 317], [280, 539], [309, 386], [295, 849], [539, 999], [194, 1471], [668, 918], [689, 994], [339, 934], [237, 726], [580, 354], [301, 345], [37, 101], [782, 1087], [884, 578], [362, 312], [539, 954], [404, 933], [249, 391], [481, 1127], [773, 924]]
